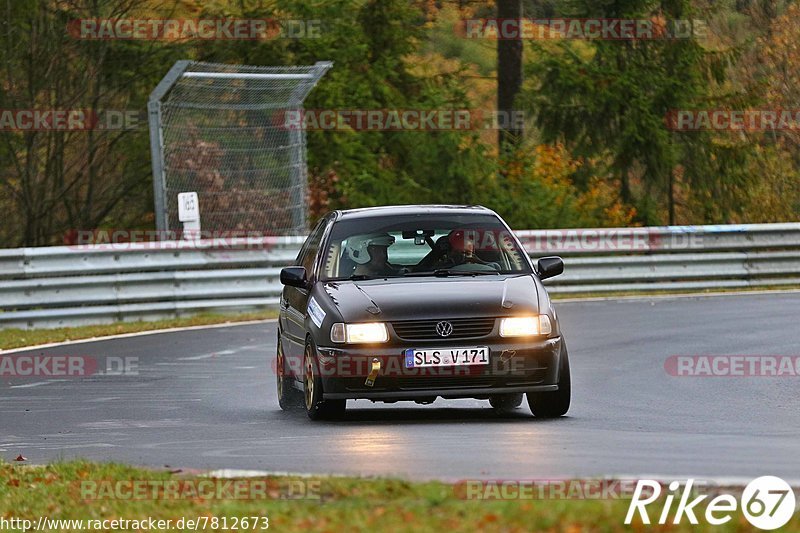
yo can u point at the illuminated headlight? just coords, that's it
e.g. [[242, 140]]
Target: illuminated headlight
[[524, 326], [359, 333]]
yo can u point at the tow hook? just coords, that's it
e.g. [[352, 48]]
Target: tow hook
[[506, 355], [373, 373]]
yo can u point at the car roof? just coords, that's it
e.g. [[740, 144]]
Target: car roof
[[367, 212]]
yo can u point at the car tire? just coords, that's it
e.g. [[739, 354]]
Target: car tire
[[316, 407], [505, 403], [556, 403], [289, 398]]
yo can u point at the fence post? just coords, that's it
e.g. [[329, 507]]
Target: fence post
[[157, 142]]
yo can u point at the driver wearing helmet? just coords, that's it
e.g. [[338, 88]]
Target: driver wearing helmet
[[371, 255], [456, 249]]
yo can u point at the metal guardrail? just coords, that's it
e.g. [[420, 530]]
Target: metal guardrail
[[90, 284]]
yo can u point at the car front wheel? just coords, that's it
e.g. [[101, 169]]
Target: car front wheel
[[556, 403], [316, 407]]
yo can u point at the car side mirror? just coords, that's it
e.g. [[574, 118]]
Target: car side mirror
[[294, 276], [549, 267]]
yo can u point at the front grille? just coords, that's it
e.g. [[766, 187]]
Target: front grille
[[463, 328]]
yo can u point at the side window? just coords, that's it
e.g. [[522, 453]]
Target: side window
[[311, 247]]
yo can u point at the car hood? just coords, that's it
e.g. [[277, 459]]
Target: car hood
[[420, 298]]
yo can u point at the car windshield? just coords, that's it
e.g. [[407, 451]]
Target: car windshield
[[421, 245]]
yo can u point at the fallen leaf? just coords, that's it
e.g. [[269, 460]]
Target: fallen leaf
[[489, 518]]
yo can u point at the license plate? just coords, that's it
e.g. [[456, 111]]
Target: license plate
[[424, 357]]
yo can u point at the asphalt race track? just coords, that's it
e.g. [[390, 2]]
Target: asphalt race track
[[206, 399]]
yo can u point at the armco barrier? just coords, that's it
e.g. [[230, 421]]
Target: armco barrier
[[74, 285]]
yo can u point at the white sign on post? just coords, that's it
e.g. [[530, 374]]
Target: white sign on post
[[189, 214]]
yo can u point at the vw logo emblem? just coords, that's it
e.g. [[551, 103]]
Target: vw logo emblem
[[444, 328]]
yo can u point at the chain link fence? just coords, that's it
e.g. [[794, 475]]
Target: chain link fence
[[220, 130]]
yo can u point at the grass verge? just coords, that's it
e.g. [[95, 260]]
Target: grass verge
[[16, 338], [91, 491]]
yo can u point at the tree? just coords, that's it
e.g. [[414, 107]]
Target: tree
[[55, 180], [607, 100], [509, 76]]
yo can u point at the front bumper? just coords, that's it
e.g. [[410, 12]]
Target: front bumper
[[514, 366]]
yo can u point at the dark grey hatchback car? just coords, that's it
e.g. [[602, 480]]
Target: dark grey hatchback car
[[414, 303]]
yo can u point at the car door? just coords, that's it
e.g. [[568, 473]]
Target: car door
[[294, 301]]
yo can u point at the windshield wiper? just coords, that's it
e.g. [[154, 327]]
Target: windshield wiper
[[358, 277], [444, 272], [362, 277]]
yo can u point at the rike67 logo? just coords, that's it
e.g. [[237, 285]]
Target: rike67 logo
[[767, 502]]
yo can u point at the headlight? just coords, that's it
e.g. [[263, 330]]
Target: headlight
[[524, 326], [359, 333]]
